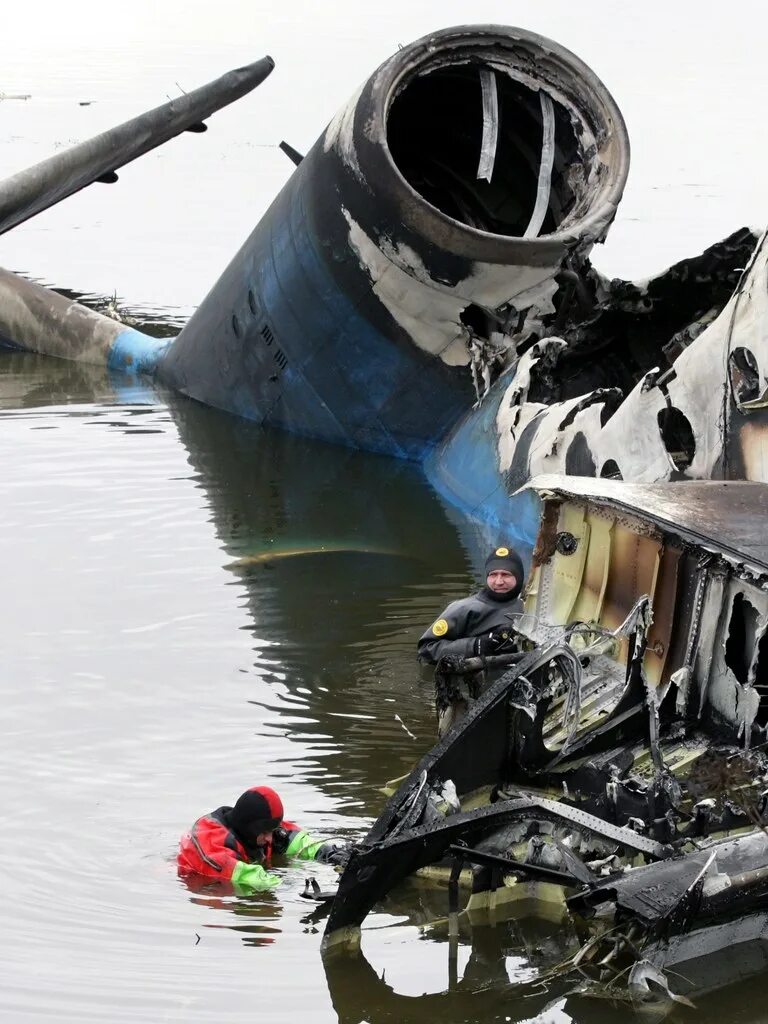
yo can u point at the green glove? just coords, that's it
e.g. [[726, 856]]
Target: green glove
[[254, 878]]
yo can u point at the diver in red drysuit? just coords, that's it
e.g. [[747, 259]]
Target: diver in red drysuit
[[236, 844]]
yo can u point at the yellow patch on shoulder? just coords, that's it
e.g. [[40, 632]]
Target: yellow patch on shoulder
[[501, 552], [440, 628]]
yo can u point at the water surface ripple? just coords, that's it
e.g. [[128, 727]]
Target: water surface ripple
[[190, 606]]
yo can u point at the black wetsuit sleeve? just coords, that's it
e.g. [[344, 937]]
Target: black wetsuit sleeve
[[446, 636]]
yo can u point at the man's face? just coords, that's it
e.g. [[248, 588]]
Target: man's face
[[263, 838], [500, 581]]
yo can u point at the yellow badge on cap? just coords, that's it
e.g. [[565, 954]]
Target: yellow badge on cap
[[501, 552], [440, 628]]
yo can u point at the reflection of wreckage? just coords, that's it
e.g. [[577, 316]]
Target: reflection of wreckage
[[617, 762]]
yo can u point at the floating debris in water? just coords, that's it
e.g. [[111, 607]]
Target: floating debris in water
[[405, 727]]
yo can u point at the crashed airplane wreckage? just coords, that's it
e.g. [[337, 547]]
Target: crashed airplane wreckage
[[619, 764], [421, 286], [460, 178]]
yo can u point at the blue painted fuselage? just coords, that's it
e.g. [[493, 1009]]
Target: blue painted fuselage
[[293, 334]]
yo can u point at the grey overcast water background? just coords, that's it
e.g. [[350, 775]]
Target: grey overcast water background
[[163, 643]]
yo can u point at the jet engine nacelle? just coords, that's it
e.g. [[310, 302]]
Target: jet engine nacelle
[[424, 227]]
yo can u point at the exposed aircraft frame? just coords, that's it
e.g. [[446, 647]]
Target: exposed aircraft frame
[[613, 761]]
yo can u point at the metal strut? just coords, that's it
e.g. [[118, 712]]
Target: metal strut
[[544, 185], [490, 124]]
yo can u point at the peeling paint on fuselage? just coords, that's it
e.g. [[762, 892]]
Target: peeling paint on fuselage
[[340, 134], [429, 311]]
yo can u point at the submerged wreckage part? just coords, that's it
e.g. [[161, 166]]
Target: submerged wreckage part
[[500, 744], [608, 764], [36, 319], [37, 188], [428, 223]]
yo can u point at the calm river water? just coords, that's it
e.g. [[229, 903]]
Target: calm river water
[[190, 605]]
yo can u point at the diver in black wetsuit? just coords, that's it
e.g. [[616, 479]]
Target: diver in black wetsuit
[[479, 625], [475, 625]]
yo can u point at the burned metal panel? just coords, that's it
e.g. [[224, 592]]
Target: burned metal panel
[[730, 688], [686, 405], [734, 873], [565, 575], [633, 571], [665, 623], [722, 517], [711, 618], [686, 619], [760, 679], [576, 577], [589, 606], [600, 563]]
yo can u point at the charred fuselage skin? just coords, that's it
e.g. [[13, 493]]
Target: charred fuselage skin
[[344, 315]]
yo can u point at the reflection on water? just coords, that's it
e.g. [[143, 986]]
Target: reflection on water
[[257, 918], [335, 626], [145, 683]]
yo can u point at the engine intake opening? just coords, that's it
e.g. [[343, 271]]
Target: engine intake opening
[[435, 135]]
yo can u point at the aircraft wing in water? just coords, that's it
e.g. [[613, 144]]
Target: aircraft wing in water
[[37, 188]]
